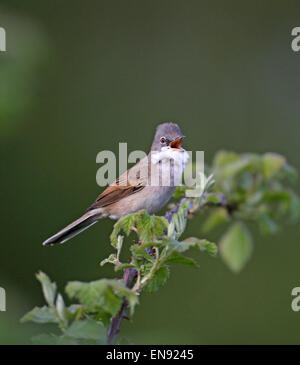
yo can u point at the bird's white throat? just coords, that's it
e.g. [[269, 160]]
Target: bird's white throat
[[166, 154]]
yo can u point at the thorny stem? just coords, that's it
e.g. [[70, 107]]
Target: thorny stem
[[114, 328]]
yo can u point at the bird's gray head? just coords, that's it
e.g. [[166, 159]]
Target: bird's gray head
[[167, 135]]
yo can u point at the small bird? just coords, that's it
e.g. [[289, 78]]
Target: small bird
[[147, 185]]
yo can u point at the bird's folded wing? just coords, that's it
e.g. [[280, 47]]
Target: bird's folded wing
[[128, 183]]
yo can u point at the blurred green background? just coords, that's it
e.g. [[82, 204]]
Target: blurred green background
[[79, 77]]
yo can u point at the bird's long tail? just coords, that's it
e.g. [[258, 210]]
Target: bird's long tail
[[73, 229]]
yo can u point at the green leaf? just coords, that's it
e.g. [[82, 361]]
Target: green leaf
[[145, 226], [178, 221], [246, 162], [177, 258], [140, 252], [202, 244], [78, 312], [267, 224], [212, 198], [236, 247], [111, 302], [127, 223], [217, 217], [75, 311], [160, 226], [235, 168], [124, 224], [40, 315], [60, 308], [159, 279], [95, 294], [119, 244], [290, 172], [272, 163], [49, 288], [51, 339], [144, 246], [180, 191], [148, 227], [86, 329], [106, 294], [111, 259], [223, 158], [277, 196]]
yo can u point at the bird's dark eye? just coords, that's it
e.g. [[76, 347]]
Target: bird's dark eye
[[163, 139]]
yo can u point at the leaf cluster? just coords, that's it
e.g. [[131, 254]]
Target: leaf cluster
[[242, 190]]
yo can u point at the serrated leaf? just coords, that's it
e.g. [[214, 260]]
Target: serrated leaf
[[202, 244], [236, 246], [146, 268], [148, 227], [140, 252], [49, 288], [127, 223], [160, 226], [78, 312], [86, 329], [95, 294], [177, 258], [106, 294], [124, 224], [40, 315], [178, 221], [145, 226], [159, 279]]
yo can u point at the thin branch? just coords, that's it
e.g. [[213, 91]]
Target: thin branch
[[193, 210], [114, 328]]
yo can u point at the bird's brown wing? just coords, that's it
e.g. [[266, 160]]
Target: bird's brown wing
[[120, 188]]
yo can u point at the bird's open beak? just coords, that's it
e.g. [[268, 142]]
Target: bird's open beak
[[176, 144]]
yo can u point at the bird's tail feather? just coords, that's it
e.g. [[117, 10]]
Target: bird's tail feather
[[72, 229]]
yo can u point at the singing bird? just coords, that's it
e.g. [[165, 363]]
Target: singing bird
[[147, 185]]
